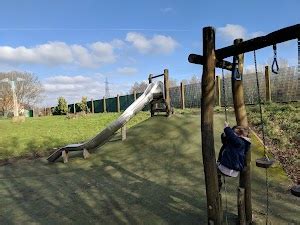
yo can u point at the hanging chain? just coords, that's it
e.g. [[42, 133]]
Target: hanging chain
[[259, 103], [224, 92], [263, 134]]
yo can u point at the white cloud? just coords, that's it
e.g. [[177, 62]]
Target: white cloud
[[157, 44], [167, 10], [127, 70], [59, 53], [233, 31], [74, 87]]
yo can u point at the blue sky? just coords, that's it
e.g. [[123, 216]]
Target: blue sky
[[73, 45]]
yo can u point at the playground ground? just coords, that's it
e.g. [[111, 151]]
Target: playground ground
[[155, 176]]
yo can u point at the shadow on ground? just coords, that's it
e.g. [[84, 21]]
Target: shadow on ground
[[155, 176]]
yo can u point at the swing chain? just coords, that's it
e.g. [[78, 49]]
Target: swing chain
[[263, 134], [259, 103], [275, 67]]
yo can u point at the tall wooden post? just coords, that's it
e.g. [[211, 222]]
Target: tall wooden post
[[241, 120], [93, 107], [214, 210], [182, 97], [74, 108], [134, 95], [268, 84], [104, 105], [218, 91], [118, 104], [167, 91]]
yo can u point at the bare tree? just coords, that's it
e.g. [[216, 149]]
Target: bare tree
[[28, 91], [139, 87]]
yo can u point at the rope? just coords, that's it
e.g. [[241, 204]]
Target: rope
[[263, 136]]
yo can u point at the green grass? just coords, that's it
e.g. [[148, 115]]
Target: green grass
[[153, 177], [282, 129], [38, 136]]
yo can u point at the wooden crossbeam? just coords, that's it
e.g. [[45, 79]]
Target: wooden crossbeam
[[276, 37], [199, 59]]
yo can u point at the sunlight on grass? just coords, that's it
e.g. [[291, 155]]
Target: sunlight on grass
[[36, 136]]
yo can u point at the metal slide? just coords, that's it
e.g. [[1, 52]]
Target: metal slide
[[153, 90]]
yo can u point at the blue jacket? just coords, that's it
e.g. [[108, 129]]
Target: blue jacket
[[235, 149]]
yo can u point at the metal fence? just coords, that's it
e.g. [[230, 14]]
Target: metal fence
[[284, 88]]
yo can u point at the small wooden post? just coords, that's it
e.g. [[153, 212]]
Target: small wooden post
[[86, 154], [104, 105], [123, 132], [167, 91], [65, 156], [93, 107], [74, 108], [214, 211], [118, 103], [218, 91], [241, 206], [134, 95], [151, 104], [268, 84], [241, 120], [182, 97]]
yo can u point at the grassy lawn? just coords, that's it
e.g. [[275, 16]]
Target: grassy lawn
[[153, 177], [38, 136]]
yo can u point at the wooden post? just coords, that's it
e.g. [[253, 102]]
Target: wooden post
[[74, 108], [241, 206], [218, 91], [214, 210], [93, 107], [118, 103], [86, 154], [241, 120], [104, 105], [182, 95], [167, 91], [151, 104], [134, 95], [268, 84], [123, 132], [65, 156]]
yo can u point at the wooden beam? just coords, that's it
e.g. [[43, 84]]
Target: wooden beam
[[218, 91], [104, 105], [199, 59], [268, 84], [241, 120], [86, 154], [93, 107], [214, 210], [118, 104], [276, 37], [167, 91], [123, 132], [182, 96], [241, 206]]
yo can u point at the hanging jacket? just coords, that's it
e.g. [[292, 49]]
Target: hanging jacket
[[235, 149]]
